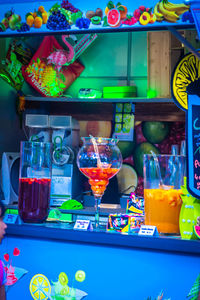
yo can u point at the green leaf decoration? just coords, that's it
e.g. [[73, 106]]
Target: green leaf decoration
[[3, 27], [105, 21], [55, 7], [194, 293], [118, 4], [121, 8], [110, 5], [39, 14], [62, 86], [28, 14], [62, 77]]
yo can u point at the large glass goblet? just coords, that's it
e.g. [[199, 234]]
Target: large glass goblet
[[99, 159]]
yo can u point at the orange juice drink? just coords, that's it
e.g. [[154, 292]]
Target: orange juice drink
[[162, 209]]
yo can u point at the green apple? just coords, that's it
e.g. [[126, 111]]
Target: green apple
[[14, 21], [5, 22]]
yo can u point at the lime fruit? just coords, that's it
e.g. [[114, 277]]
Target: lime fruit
[[126, 148], [155, 132], [127, 179], [40, 287], [140, 150], [113, 17]]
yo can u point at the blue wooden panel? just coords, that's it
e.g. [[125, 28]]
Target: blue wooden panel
[[111, 273]]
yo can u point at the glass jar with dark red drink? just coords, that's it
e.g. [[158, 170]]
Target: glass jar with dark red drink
[[34, 181]]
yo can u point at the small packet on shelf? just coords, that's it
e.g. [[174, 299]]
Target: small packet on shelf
[[124, 223], [135, 205]]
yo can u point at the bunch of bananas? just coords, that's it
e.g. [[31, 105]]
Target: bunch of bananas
[[168, 11]]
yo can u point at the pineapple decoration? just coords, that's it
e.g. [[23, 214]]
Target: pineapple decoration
[[194, 293], [190, 211]]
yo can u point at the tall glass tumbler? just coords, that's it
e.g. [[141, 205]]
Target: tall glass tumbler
[[34, 181], [163, 177]]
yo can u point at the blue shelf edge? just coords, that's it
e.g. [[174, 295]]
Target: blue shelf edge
[[102, 238]]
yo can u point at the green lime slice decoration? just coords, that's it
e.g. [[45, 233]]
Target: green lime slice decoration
[[63, 279], [80, 276]]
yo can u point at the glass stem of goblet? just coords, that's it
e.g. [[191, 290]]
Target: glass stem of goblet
[[97, 210]]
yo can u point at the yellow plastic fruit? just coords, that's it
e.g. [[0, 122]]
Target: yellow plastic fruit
[[41, 9], [30, 20], [38, 22], [44, 17], [144, 18], [40, 287]]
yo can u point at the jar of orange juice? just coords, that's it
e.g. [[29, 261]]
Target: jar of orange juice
[[163, 177]]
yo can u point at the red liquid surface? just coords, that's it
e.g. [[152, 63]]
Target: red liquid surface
[[34, 195], [99, 178]]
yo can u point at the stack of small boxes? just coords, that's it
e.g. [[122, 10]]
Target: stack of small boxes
[[132, 220]]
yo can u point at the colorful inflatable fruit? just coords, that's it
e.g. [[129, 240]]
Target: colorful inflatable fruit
[[155, 132], [126, 148], [152, 18], [197, 231], [123, 11], [127, 179], [144, 18], [14, 20], [113, 17], [140, 150]]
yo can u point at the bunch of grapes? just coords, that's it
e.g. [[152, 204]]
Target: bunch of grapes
[[68, 6], [23, 27], [57, 21]]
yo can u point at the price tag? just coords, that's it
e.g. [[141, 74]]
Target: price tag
[[148, 230], [10, 218], [83, 225]]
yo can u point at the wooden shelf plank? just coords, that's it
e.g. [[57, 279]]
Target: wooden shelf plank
[[103, 111], [99, 100]]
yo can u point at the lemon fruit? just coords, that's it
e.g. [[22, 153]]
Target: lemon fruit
[[155, 132], [40, 287], [140, 150], [127, 179]]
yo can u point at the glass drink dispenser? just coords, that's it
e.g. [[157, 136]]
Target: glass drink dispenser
[[66, 178], [34, 181], [38, 127]]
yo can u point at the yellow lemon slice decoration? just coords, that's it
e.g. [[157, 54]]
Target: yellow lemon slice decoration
[[40, 287], [185, 79]]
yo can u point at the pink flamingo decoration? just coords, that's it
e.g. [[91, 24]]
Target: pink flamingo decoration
[[60, 57]]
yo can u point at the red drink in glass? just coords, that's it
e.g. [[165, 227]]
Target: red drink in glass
[[34, 194]]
